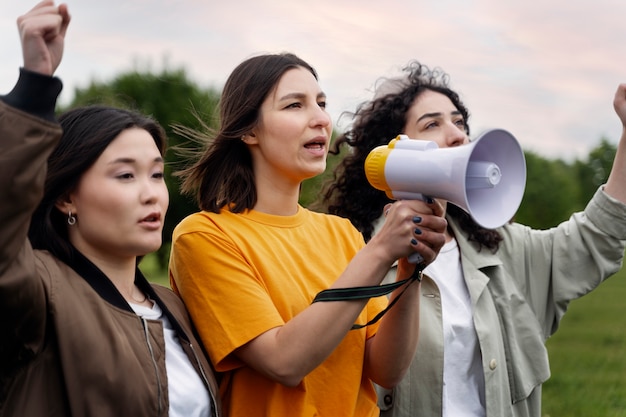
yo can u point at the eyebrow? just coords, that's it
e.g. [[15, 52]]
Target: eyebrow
[[438, 114], [132, 160], [300, 96]]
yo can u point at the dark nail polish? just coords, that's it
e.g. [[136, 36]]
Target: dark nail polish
[[417, 231], [417, 219], [429, 200], [413, 242]]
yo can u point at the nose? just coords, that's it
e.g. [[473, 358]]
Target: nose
[[321, 118], [455, 136], [153, 192]]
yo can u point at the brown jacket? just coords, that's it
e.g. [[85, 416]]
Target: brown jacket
[[69, 343]]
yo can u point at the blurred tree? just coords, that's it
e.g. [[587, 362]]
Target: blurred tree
[[171, 98], [555, 189], [551, 195], [595, 170]]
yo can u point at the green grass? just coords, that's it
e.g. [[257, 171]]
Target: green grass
[[588, 356]]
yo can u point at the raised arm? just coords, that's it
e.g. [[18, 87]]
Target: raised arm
[[616, 184], [27, 136], [42, 33]]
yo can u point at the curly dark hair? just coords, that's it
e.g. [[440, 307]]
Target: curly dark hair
[[376, 122]]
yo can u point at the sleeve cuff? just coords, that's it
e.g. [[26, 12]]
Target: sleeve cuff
[[607, 213], [35, 94]]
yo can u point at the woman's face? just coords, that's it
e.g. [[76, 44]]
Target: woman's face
[[434, 117], [290, 143], [121, 200]]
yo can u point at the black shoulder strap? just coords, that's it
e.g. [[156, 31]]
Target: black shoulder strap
[[359, 293]]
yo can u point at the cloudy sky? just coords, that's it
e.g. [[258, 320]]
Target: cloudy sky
[[545, 70]]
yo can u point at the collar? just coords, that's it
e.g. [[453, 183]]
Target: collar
[[105, 288], [480, 258], [101, 283]]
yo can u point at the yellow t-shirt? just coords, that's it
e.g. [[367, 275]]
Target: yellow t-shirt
[[243, 274]]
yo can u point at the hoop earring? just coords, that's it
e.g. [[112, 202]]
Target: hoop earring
[[71, 220]]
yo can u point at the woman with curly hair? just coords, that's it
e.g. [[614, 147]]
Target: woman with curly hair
[[491, 298]]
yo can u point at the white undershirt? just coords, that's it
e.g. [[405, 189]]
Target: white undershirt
[[188, 395], [463, 378]]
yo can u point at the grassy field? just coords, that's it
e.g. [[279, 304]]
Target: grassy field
[[587, 354]]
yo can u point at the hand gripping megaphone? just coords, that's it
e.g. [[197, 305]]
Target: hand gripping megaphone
[[485, 177]]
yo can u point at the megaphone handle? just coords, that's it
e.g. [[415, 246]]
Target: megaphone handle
[[416, 258]]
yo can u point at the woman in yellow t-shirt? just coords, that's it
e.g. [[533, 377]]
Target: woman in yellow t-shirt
[[251, 263]]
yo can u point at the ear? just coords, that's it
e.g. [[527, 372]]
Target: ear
[[65, 205], [250, 139]]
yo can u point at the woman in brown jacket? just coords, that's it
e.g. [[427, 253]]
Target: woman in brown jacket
[[82, 333]]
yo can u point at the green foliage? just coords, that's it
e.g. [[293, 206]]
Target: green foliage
[[595, 170], [171, 98], [551, 195], [555, 189], [152, 268]]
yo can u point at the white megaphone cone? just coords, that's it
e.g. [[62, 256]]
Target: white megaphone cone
[[485, 177]]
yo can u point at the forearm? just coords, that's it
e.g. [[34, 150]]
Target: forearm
[[35, 94], [390, 352], [616, 184], [290, 352]]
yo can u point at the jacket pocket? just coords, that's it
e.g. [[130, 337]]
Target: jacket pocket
[[525, 351]]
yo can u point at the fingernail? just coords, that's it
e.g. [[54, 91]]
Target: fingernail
[[417, 231], [414, 242], [429, 200], [417, 219]]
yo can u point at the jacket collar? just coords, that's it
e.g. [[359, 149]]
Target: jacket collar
[[109, 293], [480, 258], [102, 284]]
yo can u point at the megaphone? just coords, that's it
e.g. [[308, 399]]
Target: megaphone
[[485, 177]]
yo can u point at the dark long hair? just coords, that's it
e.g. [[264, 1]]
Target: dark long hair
[[376, 122], [87, 132], [223, 173]]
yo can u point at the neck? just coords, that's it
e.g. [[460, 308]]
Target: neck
[[278, 200], [122, 275]]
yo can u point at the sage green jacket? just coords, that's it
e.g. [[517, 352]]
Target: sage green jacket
[[519, 295]]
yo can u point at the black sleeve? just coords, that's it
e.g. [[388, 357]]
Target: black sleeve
[[35, 93]]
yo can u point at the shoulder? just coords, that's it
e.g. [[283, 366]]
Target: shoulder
[[201, 220], [50, 268], [330, 219], [335, 225], [171, 300]]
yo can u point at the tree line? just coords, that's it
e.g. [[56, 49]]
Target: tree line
[[554, 188]]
